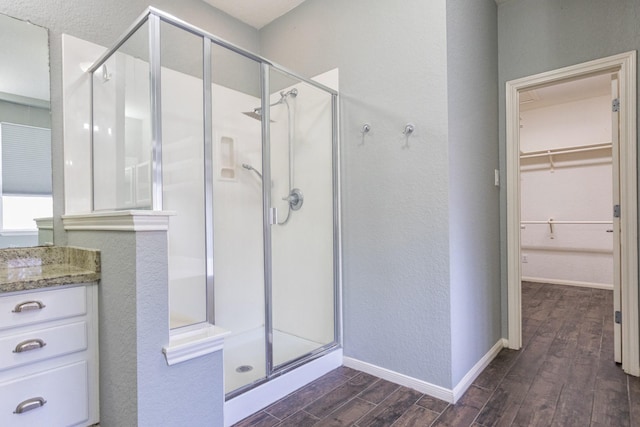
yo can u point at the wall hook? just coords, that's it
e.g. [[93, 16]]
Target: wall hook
[[409, 129], [366, 128], [106, 75]]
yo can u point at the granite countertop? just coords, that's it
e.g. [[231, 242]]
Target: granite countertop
[[46, 266]]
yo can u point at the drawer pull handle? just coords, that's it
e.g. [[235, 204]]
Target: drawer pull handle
[[29, 404], [28, 305], [29, 345]]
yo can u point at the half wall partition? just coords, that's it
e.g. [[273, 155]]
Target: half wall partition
[[245, 153]]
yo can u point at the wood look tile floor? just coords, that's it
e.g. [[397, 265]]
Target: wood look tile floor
[[563, 376]]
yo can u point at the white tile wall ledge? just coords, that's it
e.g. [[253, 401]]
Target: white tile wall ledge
[[127, 220], [196, 341]]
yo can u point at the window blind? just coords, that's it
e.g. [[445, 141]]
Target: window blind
[[26, 159]]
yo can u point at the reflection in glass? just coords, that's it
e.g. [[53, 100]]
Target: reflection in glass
[[302, 241], [238, 246], [183, 173], [25, 133], [122, 128]]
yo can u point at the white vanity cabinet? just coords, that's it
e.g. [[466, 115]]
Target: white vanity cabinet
[[49, 357]]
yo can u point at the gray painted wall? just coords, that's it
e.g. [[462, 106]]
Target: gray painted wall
[[136, 385], [543, 35], [474, 234], [421, 282], [392, 63], [102, 22]]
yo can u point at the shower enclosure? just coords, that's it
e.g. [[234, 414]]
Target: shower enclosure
[[246, 154]]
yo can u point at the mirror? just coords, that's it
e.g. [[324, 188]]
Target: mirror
[[25, 135]]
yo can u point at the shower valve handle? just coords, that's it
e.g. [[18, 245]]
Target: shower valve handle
[[295, 199]]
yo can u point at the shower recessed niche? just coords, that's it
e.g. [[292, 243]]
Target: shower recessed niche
[[226, 158]]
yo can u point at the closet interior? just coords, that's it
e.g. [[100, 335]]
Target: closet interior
[[566, 183]]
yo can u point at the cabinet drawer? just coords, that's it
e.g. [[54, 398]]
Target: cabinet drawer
[[23, 348], [64, 389], [56, 304]]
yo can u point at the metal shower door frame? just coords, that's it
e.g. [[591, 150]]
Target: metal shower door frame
[[154, 17]]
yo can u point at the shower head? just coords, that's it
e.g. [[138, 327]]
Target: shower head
[[292, 93], [251, 168], [255, 114]]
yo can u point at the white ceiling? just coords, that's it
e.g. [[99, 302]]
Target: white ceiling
[[25, 59], [560, 93], [256, 13]]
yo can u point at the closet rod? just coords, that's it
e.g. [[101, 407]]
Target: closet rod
[[566, 222], [565, 151]]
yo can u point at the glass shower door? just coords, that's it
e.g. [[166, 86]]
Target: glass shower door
[[238, 246], [302, 230]]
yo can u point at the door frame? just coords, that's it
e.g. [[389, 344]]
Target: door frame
[[625, 66]]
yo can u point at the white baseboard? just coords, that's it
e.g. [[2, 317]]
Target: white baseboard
[[607, 286], [477, 369], [401, 379], [425, 387]]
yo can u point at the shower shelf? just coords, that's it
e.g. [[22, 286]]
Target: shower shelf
[[200, 340]]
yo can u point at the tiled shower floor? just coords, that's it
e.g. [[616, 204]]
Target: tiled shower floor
[[248, 349]]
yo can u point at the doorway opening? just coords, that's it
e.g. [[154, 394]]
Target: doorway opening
[[569, 223]]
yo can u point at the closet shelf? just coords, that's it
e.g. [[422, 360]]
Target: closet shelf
[[566, 150]]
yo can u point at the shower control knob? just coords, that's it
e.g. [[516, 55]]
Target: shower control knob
[[295, 199]]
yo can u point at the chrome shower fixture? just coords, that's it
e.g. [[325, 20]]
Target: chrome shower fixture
[[251, 168], [257, 112], [293, 93], [295, 199]]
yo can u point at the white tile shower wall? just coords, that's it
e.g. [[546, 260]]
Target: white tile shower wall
[[237, 215], [578, 188], [123, 95], [77, 56], [183, 193]]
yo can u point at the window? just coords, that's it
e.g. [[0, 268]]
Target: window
[[26, 176]]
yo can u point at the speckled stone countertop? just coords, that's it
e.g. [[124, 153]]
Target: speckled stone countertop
[[45, 266]]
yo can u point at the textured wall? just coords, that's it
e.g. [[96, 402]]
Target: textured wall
[[136, 385], [543, 35], [392, 63], [472, 65], [117, 324], [102, 22]]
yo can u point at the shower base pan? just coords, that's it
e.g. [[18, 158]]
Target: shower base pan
[[244, 355]]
